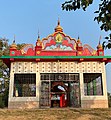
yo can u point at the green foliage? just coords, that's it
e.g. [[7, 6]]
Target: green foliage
[[109, 99], [4, 47], [3, 43], [4, 98], [4, 72], [104, 17], [104, 14], [19, 46], [4, 50], [5, 95], [2, 105], [76, 4]]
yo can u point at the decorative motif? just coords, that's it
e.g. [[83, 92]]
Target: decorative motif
[[59, 41], [23, 52], [101, 53], [90, 49], [60, 77], [26, 47], [93, 67], [59, 38], [38, 44], [38, 52], [94, 52], [79, 44], [13, 52], [80, 53]]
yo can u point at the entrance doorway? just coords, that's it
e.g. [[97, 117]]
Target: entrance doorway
[[59, 95], [60, 90]]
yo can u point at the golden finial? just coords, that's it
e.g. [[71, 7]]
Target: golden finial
[[99, 45], [14, 39], [38, 36], [39, 42], [38, 39], [78, 40], [13, 45], [38, 33], [58, 21], [58, 28]]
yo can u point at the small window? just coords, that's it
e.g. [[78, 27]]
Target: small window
[[93, 84], [24, 85]]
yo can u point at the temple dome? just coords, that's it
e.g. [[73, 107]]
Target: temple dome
[[99, 46], [78, 40], [13, 45], [58, 28], [39, 42]]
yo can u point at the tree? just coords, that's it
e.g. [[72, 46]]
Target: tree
[[19, 46], [4, 72], [103, 18], [109, 99]]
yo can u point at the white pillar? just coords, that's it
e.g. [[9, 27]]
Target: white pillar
[[104, 82], [81, 86], [11, 83], [38, 85]]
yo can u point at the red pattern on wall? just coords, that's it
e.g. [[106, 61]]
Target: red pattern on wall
[[57, 44]]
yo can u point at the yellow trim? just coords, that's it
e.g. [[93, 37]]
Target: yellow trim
[[52, 35], [38, 52]]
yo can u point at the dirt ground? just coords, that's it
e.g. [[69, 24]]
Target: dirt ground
[[55, 114]]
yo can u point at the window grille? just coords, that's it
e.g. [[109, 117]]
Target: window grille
[[24, 85], [93, 84], [60, 77]]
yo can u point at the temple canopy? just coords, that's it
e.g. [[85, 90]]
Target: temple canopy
[[57, 46], [58, 41]]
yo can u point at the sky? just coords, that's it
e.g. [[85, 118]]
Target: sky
[[23, 18]]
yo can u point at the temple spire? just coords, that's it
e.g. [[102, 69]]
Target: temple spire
[[100, 40], [38, 39], [14, 39], [13, 45], [38, 34], [99, 44], [39, 42], [78, 39], [58, 28], [58, 21]]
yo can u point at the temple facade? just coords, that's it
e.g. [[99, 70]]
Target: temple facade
[[57, 72]]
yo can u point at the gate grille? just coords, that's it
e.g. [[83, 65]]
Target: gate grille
[[72, 82]]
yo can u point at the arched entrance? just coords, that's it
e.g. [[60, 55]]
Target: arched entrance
[[59, 94]]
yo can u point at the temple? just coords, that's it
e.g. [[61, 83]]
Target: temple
[[57, 72]]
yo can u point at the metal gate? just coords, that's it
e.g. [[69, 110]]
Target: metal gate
[[71, 81]]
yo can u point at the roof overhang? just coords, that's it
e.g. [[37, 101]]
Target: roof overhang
[[9, 59]]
